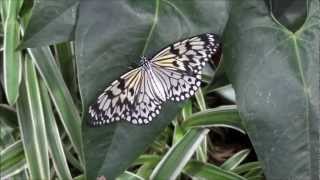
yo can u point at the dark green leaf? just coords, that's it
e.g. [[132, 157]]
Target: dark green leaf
[[290, 13], [53, 21], [275, 74], [110, 37]]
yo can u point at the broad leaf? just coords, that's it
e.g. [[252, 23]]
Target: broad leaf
[[53, 21], [110, 37], [275, 73]]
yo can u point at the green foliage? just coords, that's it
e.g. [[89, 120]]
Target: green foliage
[[71, 50], [277, 87]]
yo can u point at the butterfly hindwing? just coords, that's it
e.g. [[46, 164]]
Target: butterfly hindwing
[[174, 73]]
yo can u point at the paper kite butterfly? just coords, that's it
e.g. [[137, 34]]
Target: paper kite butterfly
[[172, 74]]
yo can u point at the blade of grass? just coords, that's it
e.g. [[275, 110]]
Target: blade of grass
[[203, 170], [55, 145], [259, 177], [129, 176], [12, 160], [227, 92], [69, 115], [81, 177], [200, 100], [176, 158], [247, 167], [187, 110], [145, 170], [6, 135], [235, 160], [72, 159], [31, 123], [8, 124], [225, 116], [202, 150], [8, 115], [21, 176], [178, 130], [65, 56], [37, 115], [254, 173], [11, 58], [3, 11], [149, 159]]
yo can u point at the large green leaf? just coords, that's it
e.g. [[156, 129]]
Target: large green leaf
[[290, 13], [110, 37], [275, 73], [52, 21]]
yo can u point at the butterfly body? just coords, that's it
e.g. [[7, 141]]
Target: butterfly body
[[173, 74]]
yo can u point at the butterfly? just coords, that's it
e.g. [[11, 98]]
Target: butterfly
[[172, 74]]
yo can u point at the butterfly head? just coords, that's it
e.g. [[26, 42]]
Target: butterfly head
[[144, 62]]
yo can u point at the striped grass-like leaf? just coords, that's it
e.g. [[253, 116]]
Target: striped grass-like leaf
[[55, 145], [66, 59], [12, 160], [224, 116], [11, 58], [244, 168], [235, 160], [203, 170], [49, 71], [201, 152], [147, 159], [177, 157], [8, 116], [8, 126], [178, 130], [31, 122], [129, 176]]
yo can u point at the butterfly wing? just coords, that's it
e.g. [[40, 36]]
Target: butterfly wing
[[173, 73], [180, 65], [133, 97], [116, 100]]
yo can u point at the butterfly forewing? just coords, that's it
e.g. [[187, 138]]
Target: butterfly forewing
[[172, 74], [181, 64]]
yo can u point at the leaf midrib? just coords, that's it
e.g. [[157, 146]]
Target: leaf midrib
[[154, 23]]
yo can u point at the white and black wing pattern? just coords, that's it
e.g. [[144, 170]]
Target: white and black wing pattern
[[181, 63], [135, 97], [172, 74]]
